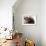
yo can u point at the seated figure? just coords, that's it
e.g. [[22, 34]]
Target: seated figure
[[29, 43], [18, 39]]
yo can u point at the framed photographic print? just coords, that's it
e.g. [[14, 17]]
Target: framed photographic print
[[28, 20]]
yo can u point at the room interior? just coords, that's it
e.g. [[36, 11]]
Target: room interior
[[14, 31]]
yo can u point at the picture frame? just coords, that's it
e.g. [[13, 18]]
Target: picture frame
[[28, 19]]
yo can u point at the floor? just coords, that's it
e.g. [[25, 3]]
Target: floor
[[9, 43]]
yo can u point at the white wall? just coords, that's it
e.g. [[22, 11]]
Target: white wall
[[37, 8], [6, 13], [43, 22], [29, 7]]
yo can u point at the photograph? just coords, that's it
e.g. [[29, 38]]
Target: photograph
[[28, 20]]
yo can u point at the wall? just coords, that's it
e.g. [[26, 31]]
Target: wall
[[6, 13], [43, 22], [29, 7]]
